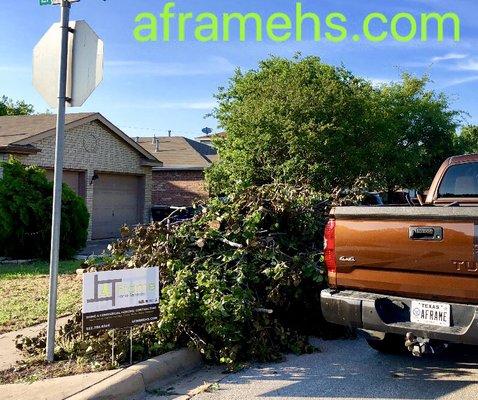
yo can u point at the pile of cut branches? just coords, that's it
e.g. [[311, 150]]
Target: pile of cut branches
[[240, 281]]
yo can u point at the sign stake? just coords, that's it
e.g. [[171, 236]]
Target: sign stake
[[113, 363], [131, 346], [58, 181]]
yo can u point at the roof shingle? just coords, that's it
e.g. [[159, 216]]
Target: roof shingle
[[211, 136], [14, 129], [18, 133], [180, 152]]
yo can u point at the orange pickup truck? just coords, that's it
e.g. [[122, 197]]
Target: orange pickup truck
[[408, 276]]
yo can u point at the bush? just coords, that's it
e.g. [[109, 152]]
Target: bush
[[240, 281], [25, 214], [301, 121]]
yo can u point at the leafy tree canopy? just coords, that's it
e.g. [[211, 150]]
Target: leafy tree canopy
[[11, 107], [305, 122], [467, 141]]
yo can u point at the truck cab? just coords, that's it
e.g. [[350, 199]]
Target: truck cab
[[456, 182]]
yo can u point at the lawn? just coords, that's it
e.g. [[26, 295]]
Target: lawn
[[24, 293]]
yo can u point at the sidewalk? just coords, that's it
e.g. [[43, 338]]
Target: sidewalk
[[69, 387], [94, 248], [128, 383], [9, 355], [125, 383]]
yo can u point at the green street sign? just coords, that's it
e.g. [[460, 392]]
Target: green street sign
[[45, 2]]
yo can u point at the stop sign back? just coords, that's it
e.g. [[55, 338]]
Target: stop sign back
[[85, 64]]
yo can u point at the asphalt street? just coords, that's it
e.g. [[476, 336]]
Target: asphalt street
[[344, 369]]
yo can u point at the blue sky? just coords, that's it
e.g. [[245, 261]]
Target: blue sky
[[150, 88]]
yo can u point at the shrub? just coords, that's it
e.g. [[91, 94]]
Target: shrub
[[25, 214], [240, 281], [302, 121]]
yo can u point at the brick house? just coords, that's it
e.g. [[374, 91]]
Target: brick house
[[101, 163], [180, 179]]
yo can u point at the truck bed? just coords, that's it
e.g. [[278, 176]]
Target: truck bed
[[406, 212], [420, 252]]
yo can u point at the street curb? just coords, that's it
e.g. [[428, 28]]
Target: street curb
[[134, 380], [121, 384]]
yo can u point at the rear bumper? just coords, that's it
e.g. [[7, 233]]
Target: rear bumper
[[390, 314]]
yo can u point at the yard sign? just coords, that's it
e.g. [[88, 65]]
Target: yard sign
[[120, 299]]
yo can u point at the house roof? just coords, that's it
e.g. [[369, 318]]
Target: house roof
[[15, 129], [19, 133], [179, 152], [210, 137]]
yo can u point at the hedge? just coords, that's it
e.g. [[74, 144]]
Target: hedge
[[25, 214]]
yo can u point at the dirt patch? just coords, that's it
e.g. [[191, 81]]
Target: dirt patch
[[33, 371]]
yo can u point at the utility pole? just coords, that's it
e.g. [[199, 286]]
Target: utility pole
[[58, 181]]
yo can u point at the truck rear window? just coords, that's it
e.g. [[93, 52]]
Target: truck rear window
[[460, 181]]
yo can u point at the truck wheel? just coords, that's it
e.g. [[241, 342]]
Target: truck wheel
[[390, 344]]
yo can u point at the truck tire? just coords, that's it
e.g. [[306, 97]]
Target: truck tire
[[390, 344]]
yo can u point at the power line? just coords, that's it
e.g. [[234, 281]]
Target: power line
[[139, 128], [159, 132]]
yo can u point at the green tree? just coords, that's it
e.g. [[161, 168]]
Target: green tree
[[25, 214], [10, 107], [303, 121], [416, 130], [466, 142]]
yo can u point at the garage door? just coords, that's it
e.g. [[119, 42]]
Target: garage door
[[117, 200], [74, 179]]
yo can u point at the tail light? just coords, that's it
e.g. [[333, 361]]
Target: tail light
[[329, 247]]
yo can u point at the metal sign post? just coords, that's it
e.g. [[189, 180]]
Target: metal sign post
[[58, 181], [113, 362], [131, 346], [67, 83]]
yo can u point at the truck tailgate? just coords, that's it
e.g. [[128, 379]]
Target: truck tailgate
[[427, 252]]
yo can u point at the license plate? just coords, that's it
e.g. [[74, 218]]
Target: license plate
[[430, 313]]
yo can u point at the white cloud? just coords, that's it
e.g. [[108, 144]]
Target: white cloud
[[435, 60], [208, 66], [460, 81], [417, 64], [448, 57], [468, 65]]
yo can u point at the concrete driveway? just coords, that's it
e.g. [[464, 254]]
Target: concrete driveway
[[349, 370], [94, 248]]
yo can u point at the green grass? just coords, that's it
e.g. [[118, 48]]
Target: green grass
[[24, 293], [9, 271]]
